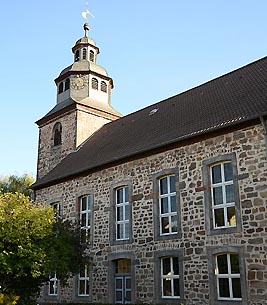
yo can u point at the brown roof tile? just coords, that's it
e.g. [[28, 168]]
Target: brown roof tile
[[236, 97]]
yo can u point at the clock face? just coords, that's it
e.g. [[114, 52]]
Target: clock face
[[78, 82]]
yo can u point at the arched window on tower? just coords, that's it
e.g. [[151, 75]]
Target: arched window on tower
[[84, 53], [77, 55], [103, 86], [95, 83], [60, 88], [92, 56], [57, 134], [67, 84]]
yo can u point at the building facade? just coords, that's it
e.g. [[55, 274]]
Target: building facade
[[171, 199]]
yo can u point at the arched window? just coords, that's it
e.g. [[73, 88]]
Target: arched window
[[92, 56], [67, 84], [77, 55], [57, 134], [103, 86], [84, 53], [60, 87], [95, 83]]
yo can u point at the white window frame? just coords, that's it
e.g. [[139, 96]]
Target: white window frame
[[169, 214], [224, 205], [228, 276], [53, 285], [86, 280], [87, 213], [170, 277], [124, 221]]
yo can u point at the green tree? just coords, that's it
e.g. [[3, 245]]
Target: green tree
[[34, 243], [14, 183]]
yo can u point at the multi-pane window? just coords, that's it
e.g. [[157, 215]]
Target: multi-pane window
[[53, 285], [85, 218], [167, 205], [227, 272], [170, 286], [222, 195], [83, 281], [122, 213]]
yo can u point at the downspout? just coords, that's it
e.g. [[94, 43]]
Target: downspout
[[263, 123]]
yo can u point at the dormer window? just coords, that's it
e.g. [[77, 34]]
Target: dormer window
[[57, 134], [94, 83], [92, 56], [77, 55], [67, 84], [103, 86], [60, 88], [84, 53]]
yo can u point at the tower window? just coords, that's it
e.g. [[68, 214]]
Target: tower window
[[92, 56], [60, 88], [84, 53], [57, 134], [103, 86], [67, 84], [95, 83], [77, 55]]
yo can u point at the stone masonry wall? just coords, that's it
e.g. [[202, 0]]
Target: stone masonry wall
[[48, 155], [250, 151], [88, 122], [77, 126]]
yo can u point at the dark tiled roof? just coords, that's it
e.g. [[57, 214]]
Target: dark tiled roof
[[59, 107], [233, 98]]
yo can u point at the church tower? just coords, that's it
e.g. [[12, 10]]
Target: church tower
[[83, 106]]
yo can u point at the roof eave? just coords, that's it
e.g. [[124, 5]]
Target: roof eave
[[178, 142]]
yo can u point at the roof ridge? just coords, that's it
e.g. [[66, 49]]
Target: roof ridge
[[193, 88], [195, 114]]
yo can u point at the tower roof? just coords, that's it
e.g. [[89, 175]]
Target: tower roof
[[81, 66], [88, 83]]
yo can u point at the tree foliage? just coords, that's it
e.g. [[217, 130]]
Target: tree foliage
[[34, 243], [13, 184]]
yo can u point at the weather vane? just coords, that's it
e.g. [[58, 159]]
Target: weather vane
[[85, 16]]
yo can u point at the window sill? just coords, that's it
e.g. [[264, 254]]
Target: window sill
[[224, 230], [121, 241], [169, 236]]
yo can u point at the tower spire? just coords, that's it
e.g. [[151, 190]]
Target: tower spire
[[86, 29]]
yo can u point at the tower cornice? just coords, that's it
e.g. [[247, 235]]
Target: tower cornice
[[78, 72]]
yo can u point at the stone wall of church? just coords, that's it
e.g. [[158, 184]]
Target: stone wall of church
[[77, 126], [195, 245], [89, 121], [48, 154]]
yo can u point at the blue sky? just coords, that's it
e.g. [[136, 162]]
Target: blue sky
[[152, 49]]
